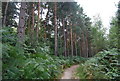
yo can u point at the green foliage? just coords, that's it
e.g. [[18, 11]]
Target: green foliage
[[9, 35], [113, 39], [36, 59], [12, 13], [35, 63], [28, 66], [33, 66], [99, 41], [118, 26], [114, 32], [103, 66], [15, 66], [72, 60]]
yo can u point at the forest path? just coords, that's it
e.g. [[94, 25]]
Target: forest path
[[69, 72]]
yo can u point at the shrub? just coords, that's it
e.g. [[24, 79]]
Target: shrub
[[103, 65]]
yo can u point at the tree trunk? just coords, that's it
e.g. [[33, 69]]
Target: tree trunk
[[29, 24], [46, 21], [67, 47], [76, 44], [74, 51], [67, 41], [65, 50], [37, 29], [87, 49], [55, 23], [80, 47], [5, 14], [84, 46], [71, 40], [32, 29], [21, 27]]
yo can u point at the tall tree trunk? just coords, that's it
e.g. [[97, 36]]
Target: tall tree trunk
[[37, 29], [32, 29], [80, 47], [55, 23], [29, 24], [84, 46], [46, 21], [67, 46], [76, 44], [65, 50], [67, 41], [61, 45], [87, 50], [71, 40], [5, 14], [74, 52], [21, 27]]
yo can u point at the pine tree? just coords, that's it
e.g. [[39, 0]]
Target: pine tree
[[21, 27], [55, 24], [9, 10], [5, 14], [118, 26], [65, 45], [38, 24]]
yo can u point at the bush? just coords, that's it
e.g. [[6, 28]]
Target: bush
[[32, 63], [103, 66]]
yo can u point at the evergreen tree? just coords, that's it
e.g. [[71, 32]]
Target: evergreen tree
[[21, 27], [10, 13]]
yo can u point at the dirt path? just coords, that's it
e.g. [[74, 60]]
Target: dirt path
[[68, 73]]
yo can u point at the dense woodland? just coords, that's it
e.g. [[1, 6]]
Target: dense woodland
[[41, 39]]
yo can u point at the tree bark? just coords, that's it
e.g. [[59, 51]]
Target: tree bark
[[29, 24], [71, 40], [55, 23], [67, 41], [80, 47], [87, 50], [76, 44], [65, 50], [32, 29], [37, 29], [5, 14], [46, 21], [84, 46], [21, 27]]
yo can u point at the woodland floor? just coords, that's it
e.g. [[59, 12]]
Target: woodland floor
[[69, 72]]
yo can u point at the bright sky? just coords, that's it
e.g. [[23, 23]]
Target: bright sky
[[105, 8]]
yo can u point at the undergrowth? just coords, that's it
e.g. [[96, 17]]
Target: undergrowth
[[104, 65], [33, 63]]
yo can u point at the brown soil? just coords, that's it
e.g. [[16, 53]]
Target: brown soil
[[69, 72]]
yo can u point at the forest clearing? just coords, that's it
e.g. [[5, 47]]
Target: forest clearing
[[57, 40]]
